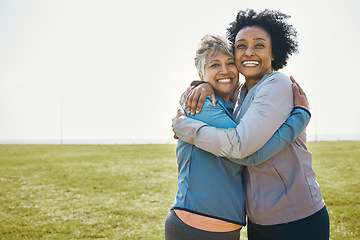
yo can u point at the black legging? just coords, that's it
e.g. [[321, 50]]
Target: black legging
[[175, 229], [314, 227]]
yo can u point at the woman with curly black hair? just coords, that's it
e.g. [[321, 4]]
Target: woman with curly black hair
[[283, 199], [283, 36]]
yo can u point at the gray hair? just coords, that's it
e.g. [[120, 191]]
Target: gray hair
[[208, 43]]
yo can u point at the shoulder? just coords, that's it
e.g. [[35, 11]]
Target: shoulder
[[208, 106], [216, 116], [276, 81], [207, 109], [278, 78], [279, 75], [276, 89]]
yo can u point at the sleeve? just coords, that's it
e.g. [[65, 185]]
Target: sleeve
[[215, 116], [184, 96], [283, 137], [194, 83], [235, 94], [271, 106]]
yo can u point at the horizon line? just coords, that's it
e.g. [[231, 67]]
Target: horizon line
[[114, 141]]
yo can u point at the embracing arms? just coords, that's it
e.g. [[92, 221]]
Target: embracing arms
[[287, 133], [283, 137]]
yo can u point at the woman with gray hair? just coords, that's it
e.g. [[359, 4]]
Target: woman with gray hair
[[210, 202]]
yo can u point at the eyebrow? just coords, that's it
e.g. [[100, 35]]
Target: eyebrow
[[253, 39], [215, 60]]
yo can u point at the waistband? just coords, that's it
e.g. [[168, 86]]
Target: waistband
[[206, 223]]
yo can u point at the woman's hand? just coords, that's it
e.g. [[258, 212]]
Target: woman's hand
[[300, 98], [196, 98], [180, 113]]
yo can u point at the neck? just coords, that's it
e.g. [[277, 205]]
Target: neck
[[251, 82], [225, 97]]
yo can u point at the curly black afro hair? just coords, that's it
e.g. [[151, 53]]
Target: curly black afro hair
[[283, 36]]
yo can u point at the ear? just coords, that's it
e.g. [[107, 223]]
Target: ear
[[201, 76], [272, 55]]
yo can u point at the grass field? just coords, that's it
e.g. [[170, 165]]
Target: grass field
[[125, 191]]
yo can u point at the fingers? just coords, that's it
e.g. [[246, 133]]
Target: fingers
[[213, 99], [295, 84], [180, 112], [194, 102], [191, 101], [200, 103], [188, 99], [197, 96], [292, 79], [296, 90], [173, 127], [300, 89], [300, 98], [297, 94]]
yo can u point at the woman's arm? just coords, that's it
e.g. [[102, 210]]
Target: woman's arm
[[195, 96], [265, 108], [228, 143], [215, 116], [283, 137]]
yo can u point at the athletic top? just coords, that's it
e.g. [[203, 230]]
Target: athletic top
[[212, 186]]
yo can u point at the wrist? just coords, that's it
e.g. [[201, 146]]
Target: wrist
[[305, 108], [197, 83], [302, 107]]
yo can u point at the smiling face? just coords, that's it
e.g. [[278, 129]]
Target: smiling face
[[253, 54], [221, 72]]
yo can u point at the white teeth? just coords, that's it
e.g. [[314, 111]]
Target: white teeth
[[224, 80], [250, 63]]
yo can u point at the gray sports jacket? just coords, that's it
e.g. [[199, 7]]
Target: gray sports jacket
[[283, 188]]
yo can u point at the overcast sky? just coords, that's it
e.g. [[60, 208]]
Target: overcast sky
[[91, 70]]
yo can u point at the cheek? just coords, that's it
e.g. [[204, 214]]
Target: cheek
[[237, 63], [270, 56], [209, 77], [267, 58], [270, 61], [237, 55], [234, 70]]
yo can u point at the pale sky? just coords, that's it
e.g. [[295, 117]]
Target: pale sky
[[114, 70]]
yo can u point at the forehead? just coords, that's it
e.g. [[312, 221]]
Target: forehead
[[220, 55], [252, 33]]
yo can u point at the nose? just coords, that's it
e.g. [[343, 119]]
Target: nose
[[224, 69], [249, 52]]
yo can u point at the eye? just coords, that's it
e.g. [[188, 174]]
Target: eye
[[231, 63], [214, 65], [259, 45], [240, 46]]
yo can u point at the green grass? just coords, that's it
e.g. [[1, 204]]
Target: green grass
[[125, 191], [85, 192], [337, 167]]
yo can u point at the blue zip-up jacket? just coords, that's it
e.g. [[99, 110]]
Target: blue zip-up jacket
[[212, 186]]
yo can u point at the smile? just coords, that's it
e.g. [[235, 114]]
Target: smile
[[250, 63], [224, 80]]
